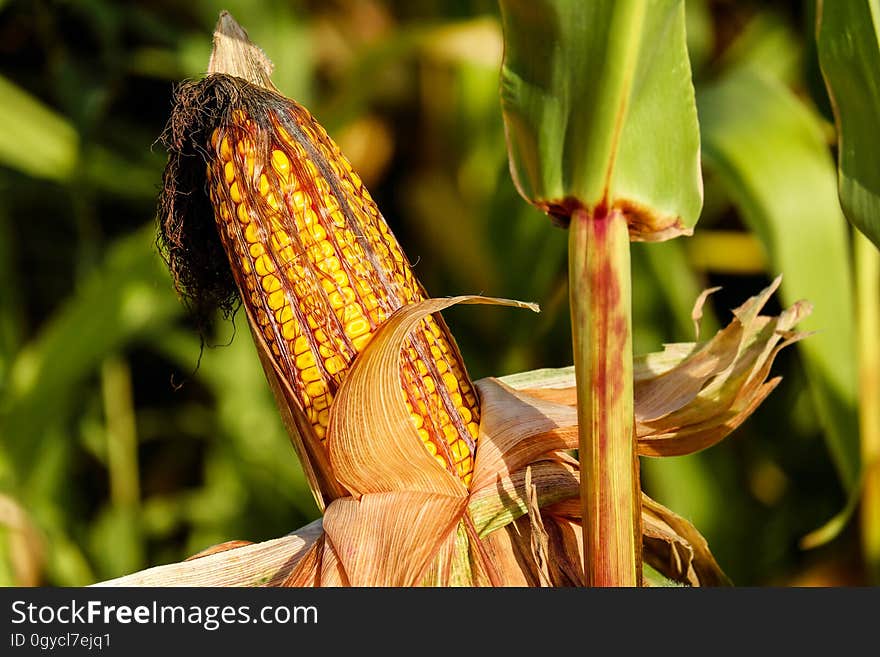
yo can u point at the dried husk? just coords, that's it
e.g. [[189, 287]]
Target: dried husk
[[519, 523]]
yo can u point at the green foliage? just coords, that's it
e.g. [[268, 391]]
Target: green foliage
[[769, 150]]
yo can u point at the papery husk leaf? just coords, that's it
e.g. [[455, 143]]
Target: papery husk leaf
[[515, 429], [233, 53], [495, 505], [674, 389], [268, 563], [539, 539], [564, 541], [670, 543], [697, 312], [389, 539], [689, 396], [373, 444], [219, 547], [319, 568], [675, 548], [452, 566]]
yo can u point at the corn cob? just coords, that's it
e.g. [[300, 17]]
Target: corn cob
[[320, 271]]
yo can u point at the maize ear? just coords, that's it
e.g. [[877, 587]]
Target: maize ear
[[319, 270]]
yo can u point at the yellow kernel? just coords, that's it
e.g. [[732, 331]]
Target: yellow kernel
[[245, 265], [264, 185], [351, 313], [300, 345], [320, 432], [252, 233], [288, 328], [286, 314], [276, 299], [310, 375], [225, 151], [417, 420], [465, 414], [421, 368], [334, 365], [318, 232], [264, 265], [280, 163], [235, 193], [329, 265], [430, 386], [336, 300], [229, 172], [432, 448], [256, 250], [467, 478], [424, 435], [459, 450], [243, 215], [473, 429], [343, 297], [450, 380], [299, 200], [440, 460], [450, 434], [305, 361], [271, 283], [315, 389]]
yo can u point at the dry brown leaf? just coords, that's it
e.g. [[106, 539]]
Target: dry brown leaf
[[539, 539], [373, 444], [390, 539], [516, 429], [697, 312]]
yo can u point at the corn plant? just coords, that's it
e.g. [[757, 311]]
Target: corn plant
[[409, 487], [485, 475]]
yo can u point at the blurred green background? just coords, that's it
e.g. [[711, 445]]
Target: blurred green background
[[123, 446]]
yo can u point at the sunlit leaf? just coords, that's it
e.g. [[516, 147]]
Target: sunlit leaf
[[33, 138], [769, 151]]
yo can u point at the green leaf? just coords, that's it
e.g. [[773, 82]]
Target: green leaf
[[769, 151], [849, 54], [127, 297], [34, 139], [599, 108]]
